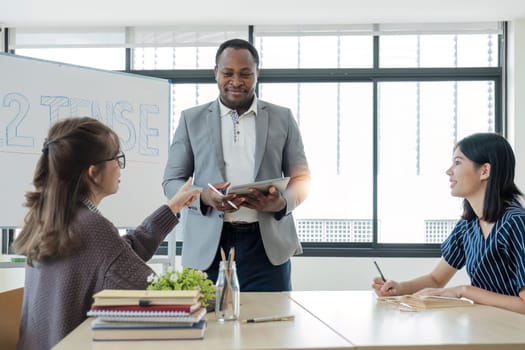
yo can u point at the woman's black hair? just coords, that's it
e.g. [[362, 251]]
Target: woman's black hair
[[491, 148]]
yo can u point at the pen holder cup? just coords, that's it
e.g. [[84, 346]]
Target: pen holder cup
[[227, 293]]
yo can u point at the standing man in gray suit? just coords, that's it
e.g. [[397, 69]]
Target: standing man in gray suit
[[239, 139]]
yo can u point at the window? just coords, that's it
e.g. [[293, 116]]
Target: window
[[379, 107], [315, 51], [451, 50], [419, 123], [102, 48], [379, 137], [101, 58], [336, 126]]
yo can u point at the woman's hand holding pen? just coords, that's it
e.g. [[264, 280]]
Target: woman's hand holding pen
[[386, 288]]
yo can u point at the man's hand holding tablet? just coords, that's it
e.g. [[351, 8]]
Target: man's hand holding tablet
[[263, 186]]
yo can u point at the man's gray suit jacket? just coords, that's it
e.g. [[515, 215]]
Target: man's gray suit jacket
[[196, 151]]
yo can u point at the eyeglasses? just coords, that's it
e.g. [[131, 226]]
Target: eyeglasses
[[120, 158]]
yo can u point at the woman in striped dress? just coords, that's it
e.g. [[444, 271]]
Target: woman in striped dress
[[490, 237]]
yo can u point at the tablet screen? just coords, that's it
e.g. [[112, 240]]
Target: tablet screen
[[279, 183]]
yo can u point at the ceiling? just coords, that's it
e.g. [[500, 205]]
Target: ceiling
[[61, 13]]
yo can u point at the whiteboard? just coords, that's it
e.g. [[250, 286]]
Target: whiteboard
[[34, 94]]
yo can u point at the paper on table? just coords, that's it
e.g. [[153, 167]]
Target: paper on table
[[421, 302]]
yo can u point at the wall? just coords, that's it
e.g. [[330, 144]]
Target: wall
[[11, 278], [310, 273], [57, 13], [357, 273]]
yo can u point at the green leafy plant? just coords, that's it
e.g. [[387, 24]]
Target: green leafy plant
[[187, 279]]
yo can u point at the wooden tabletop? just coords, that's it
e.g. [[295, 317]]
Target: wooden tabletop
[[305, 332], [367, 324], [338, 320]]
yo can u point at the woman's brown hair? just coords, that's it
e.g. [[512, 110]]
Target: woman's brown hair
[[60, 182]]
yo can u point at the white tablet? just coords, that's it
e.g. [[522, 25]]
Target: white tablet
[[279, 183]]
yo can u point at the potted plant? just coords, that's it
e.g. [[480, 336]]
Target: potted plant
[[187, 279]]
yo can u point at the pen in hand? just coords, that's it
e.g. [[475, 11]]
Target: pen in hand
[[380, 272], [269, 319], [222, 195]]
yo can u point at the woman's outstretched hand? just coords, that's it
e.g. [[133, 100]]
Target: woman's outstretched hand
[[184, 196]]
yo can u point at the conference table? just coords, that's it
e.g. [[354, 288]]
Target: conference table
[[368, 324], [337, 320]]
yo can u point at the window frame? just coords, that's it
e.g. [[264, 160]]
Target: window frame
[[374, 75]]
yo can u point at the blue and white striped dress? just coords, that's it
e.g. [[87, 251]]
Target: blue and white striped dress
[[496, 264]]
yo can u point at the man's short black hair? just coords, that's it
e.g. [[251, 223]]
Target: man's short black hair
[[237, 44]]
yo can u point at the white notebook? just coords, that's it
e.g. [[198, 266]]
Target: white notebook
[[139, 316]]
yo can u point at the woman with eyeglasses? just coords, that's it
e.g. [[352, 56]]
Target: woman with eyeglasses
[[72, 250]]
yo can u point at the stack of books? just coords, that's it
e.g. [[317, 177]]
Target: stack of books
[[147, 314]]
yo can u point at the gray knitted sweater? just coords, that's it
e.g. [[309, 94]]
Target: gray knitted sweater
[[58, 292]]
